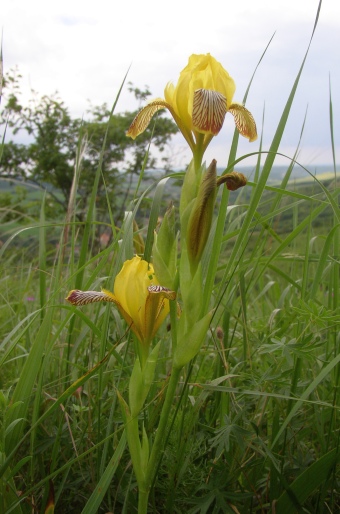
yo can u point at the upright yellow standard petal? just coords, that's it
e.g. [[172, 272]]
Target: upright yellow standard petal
[[202, 72], [131, 288]]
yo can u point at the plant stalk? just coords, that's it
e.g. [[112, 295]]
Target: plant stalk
[[158, 444]]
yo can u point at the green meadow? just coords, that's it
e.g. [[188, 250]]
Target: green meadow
[[244, 416]]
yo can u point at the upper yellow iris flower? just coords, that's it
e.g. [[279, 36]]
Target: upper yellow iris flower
[[142, 302], [198, 103]]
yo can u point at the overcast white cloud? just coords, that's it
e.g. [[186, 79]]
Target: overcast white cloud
[[83, 49]]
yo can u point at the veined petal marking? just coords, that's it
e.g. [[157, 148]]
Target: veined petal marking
[[143, 118], [164, 291], [244, 121], [209, 110], [77, 297]]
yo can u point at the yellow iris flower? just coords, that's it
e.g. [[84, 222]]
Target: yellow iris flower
[[142, 302], [198, 104]]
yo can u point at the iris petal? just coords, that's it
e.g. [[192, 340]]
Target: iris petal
[[209, 110], [77, 297], [244, 121], [156, 308], [143, 118]]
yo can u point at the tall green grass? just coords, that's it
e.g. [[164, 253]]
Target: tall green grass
[[255, 424]]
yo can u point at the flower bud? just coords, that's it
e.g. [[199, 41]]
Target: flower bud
[[219, 333], [233, 180], [200, 220]]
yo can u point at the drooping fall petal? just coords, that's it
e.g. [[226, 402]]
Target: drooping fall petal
[[77, 297], [244, 121], [156, 308], [209, 111], [143, 118]]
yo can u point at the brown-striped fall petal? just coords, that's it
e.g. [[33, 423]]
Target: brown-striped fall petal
[[77, 297], [143, 118], [209, 110], [244, 121]]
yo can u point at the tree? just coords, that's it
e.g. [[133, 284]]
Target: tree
[[49, 157]]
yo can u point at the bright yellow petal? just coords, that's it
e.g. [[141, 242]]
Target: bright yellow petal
[[131, 290], [178, 107], [244, 121], [169, 95], [209, 111], [223, 82], [130, 323], [143, 118], [131, 285]]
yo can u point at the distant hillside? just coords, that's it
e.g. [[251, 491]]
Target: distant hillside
[[299, 177], [322, 172]]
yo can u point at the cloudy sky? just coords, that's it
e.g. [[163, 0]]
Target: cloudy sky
[[83, 49]]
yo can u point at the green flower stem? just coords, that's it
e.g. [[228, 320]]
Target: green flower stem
[[199, 151], [143, 498], [142, 350], [145, 472], [158, 444], [132, 433]]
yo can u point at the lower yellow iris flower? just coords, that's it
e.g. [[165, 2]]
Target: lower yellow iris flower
[[143, 303]]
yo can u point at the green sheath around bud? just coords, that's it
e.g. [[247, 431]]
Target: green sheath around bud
[[201, 216]]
